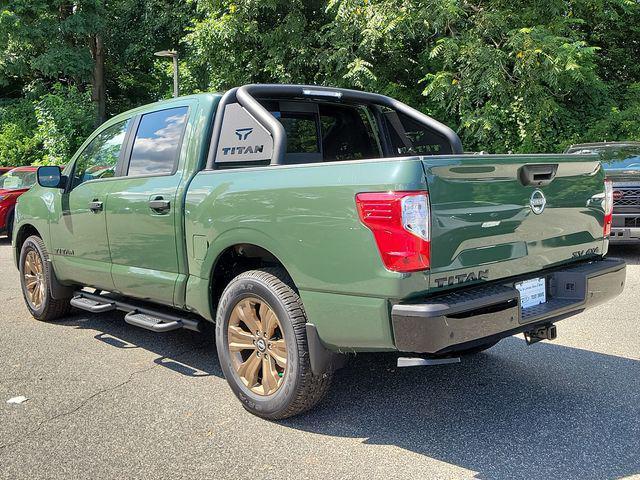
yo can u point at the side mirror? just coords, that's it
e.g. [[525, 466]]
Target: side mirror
[[51, 177]]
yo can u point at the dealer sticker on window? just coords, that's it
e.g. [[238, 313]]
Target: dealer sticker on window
[[532, 292]]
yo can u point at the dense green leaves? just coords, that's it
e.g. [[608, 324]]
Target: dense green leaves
[[508, 76]]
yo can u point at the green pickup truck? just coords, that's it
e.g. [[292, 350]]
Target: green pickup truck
[[308, 223]]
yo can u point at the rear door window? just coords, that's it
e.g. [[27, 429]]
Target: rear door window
[[156, 146]]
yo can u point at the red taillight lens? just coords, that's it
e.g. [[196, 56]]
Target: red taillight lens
[[608, 206], [401, 226]]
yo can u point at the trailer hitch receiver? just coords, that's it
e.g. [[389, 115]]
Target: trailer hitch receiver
[[545, 332]]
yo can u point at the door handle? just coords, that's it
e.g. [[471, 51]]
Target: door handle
[[159, 205], [95, 205]]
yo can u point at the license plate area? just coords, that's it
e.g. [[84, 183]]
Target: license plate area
[[532, 292]]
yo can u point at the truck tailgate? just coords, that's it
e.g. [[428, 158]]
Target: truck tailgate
[[483, 223]]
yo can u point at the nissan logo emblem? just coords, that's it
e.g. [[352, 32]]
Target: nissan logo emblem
[[537, 202]]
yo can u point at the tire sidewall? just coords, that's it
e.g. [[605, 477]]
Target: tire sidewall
[[237, 290], [31, 244]]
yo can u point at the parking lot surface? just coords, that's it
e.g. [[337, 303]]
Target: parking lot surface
[[109, 400]]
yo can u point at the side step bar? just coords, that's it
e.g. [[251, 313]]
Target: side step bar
[[90, 305], [152, 323], [137, 315]]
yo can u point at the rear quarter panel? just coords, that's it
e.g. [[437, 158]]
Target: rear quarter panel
[[306, 216]]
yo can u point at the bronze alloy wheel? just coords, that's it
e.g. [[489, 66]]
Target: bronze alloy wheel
[[261, 339], [34, 279], [257, 346]]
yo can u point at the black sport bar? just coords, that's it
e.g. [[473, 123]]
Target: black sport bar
[[246, 97]]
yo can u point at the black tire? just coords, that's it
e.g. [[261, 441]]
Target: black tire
[[50, 308], [301, 390]]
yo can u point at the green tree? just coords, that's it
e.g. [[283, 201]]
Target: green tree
[[508, 76]]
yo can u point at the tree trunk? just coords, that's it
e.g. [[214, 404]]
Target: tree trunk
[[97, 93]]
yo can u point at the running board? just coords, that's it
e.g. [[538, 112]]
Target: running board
[[139, 315], [155, 324], [90, 305]]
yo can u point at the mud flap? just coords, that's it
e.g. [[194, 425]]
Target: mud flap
[[322, 359]]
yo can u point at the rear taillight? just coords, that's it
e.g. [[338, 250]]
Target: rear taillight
[[608, 206], [400, 222]]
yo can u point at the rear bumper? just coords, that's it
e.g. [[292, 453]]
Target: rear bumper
[[457, 320]]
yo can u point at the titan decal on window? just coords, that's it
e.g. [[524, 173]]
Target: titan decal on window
[[242, 138]]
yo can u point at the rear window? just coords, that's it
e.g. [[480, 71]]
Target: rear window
[[302, 132], [326, 132], [409, 137], [347, 133]]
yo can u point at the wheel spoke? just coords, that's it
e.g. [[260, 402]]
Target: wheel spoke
[[247, 315], [270, 377], [249, 370], [28, 265], [36, 296], [30, 281], [279, 352], [269, 320], [240, 339]]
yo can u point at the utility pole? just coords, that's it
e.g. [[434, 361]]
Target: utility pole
[[174, 55]]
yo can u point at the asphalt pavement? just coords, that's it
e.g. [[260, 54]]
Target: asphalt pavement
[[107, 400]]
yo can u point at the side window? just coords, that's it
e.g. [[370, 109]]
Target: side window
[[100, 157], [157, 142]]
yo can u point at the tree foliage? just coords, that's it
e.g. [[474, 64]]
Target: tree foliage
[[508, 76]]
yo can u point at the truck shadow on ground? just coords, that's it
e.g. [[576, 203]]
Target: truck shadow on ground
[[630, 253], [185, 352], [538, 412], [517, 412]]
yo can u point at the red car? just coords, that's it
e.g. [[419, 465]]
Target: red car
[[13, 184], [4, 170]]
